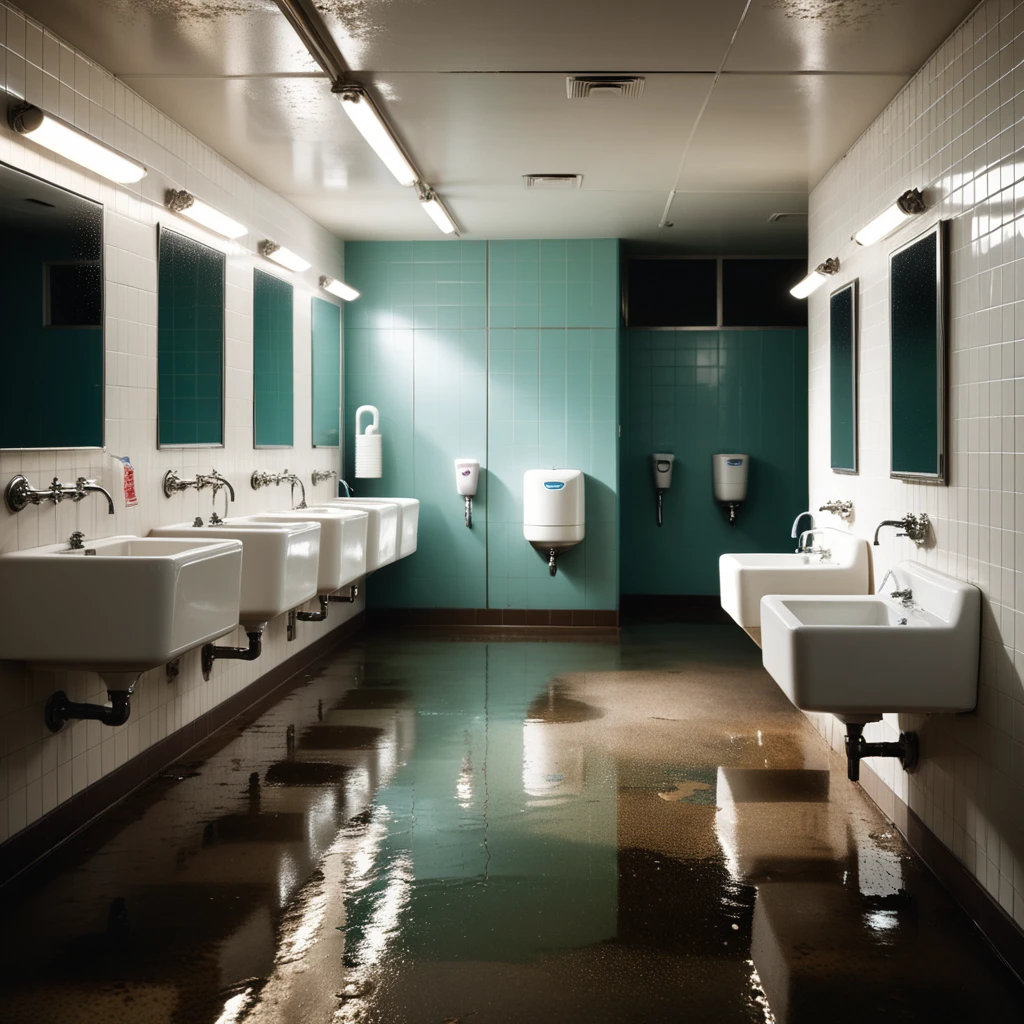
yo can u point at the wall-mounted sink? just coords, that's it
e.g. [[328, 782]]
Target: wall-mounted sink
[[279, 563], [745, 578], [861, 656], [342, 542], [121, 605], [408, 518], [381, 528]]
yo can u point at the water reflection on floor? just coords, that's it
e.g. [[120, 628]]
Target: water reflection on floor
[[428, 830]]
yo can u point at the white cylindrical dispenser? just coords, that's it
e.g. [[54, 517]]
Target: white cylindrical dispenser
[[554, 512], [729, 472], [369, 446], [467, 479]]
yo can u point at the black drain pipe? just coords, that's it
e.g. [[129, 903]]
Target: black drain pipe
[[59, 709], [212, 653]]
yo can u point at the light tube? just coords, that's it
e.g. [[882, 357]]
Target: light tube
[[283, 257], [186, 204], [815, 279], [64, 140], [339, 288], [367, 119], [438, 214], [908, 205]]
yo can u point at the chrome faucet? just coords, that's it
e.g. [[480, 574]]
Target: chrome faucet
[[914, 527], [84, 487], [216, 481], [320, 475], [843, 509], [19, 493], [348, 490], [805, 546], [904, 595], [796, 523], [258, 480]]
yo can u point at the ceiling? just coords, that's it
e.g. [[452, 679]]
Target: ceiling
[[476, 91]]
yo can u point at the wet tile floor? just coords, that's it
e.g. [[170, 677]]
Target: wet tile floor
[[442, 831]]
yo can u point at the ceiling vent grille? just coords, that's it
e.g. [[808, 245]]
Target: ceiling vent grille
[[578, 87], [559, 181]]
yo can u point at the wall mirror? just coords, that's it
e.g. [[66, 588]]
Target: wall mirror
[[918, 357], [51, 281], [843, 377], [272, 362], [326, 340], [190, 342]]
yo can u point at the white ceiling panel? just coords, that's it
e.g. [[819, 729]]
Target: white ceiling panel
[[864, 36], [781, 131]]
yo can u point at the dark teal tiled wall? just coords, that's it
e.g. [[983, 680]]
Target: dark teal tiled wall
[[695, 393], [68, 359], [326, 346], [516, 396], [190, 341], [272, 361]]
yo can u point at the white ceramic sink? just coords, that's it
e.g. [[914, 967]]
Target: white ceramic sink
[[745, 579], [133, 604], [342, 542], [868, 655], [381, 528], [279, 563], [408, 518]]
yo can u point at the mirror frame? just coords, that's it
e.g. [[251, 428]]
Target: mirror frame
[[852, 287], [161, 445], [939, 232], [102, 209]]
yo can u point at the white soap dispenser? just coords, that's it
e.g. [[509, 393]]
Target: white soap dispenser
[[467, 479]]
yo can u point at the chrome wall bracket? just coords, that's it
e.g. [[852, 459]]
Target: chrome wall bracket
[[293, 629]]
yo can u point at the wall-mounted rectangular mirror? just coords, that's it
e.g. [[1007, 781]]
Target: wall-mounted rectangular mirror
[[918, 352], [190, 342], [272, 362], [326, 339], [843, 377], [51, 289]]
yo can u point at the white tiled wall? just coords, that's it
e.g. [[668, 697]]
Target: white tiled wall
[[39, 770], [956, 131]]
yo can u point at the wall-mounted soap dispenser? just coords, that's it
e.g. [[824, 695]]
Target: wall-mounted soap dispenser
[[729, 472], [554, 511], [661, 463], [467, 479]]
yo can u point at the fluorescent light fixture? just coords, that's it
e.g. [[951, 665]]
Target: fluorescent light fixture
[[815, 279], [74, 145], [283, 257], [435, 210], [187, 205], [908, 205], [339, 288], [372, 126]]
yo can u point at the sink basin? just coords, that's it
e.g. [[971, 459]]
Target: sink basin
[[745, 579], [867, 655], [381, 528], [137, 603], [342, 542], [408, 518], [279, 564]]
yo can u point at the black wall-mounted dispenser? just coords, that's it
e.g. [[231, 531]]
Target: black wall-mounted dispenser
[[662, 463]]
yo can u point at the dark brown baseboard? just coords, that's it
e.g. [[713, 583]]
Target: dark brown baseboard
[[702, 608], [496, 618], [997, 927], [48, 832]]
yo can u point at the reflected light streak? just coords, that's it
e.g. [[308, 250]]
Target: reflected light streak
[[234, 1008]]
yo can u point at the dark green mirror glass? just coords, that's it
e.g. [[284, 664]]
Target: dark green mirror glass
[[918, 354], [326, 339], [843, 377], [272, 362], [51, 342], [190, 342]]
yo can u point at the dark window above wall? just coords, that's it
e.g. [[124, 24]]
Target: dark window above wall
[[710, 292]]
